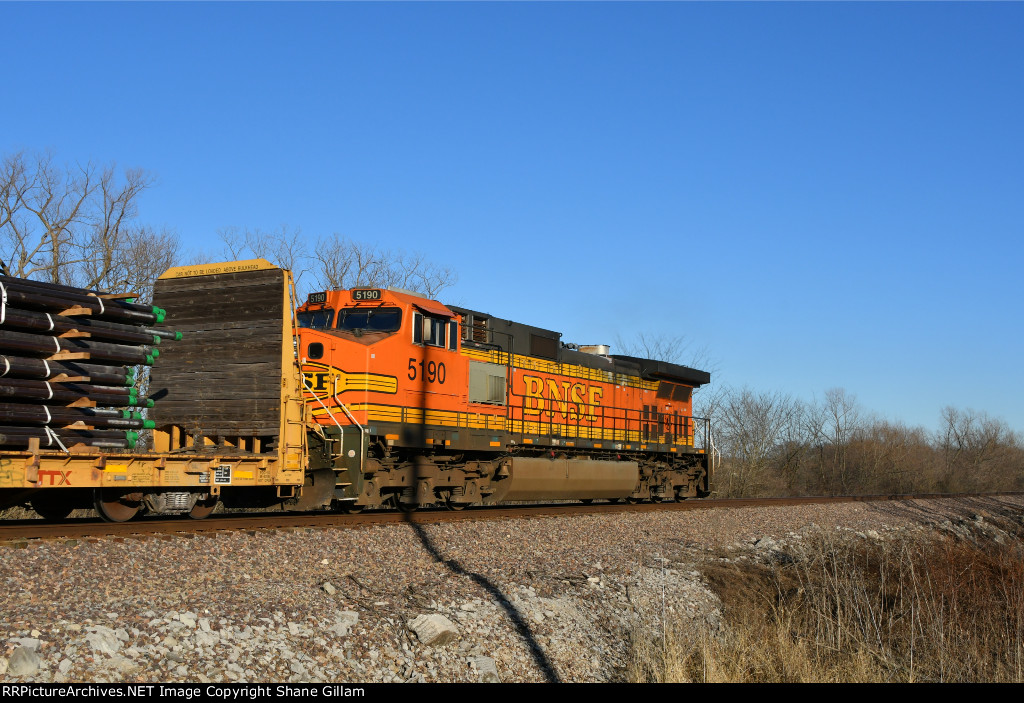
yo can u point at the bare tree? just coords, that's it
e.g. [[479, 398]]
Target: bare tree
[[76, 225], [335, 262], [676, 349], [750, 427], [284, 246], [978, 452], [138, 260], [344, 263]]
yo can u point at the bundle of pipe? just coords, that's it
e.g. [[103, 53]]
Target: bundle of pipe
[[66, 350]]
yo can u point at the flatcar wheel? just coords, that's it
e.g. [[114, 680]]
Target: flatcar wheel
[[632, 501], [203, 509], [454, 506], [53, 508], [586, 501], [115, 506]]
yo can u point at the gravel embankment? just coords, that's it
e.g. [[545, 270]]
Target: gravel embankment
[[531, 600]]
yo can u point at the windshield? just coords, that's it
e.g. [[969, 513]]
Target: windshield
[[316, 319], [370, 319]]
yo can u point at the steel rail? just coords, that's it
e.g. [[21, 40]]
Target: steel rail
[[23, 532]]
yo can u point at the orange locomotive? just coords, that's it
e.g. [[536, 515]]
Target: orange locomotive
[[416, 402]]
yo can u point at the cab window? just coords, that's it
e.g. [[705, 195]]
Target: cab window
[[433, 331], [370, 319], [316, 319]]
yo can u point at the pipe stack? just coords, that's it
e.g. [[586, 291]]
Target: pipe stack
[[67, 358]]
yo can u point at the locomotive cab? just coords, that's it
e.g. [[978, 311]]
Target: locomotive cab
[[361, 345]]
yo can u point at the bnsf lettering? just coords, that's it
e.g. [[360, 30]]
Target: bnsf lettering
[[567, 398], [317, 381]]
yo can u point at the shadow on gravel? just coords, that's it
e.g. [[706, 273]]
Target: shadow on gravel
[[496, 593]]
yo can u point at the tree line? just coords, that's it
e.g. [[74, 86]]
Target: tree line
[[773, 444]]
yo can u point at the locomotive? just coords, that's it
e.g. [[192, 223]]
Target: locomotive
[[413, 401], [362, 398]]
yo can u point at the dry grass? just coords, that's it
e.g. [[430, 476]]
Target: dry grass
[[942, 609]]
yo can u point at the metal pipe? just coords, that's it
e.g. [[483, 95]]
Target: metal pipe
[[75, 296], [40, 345], [23, 367], [98, 329]]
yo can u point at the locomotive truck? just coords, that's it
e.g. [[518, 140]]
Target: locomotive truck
[[373, 397]]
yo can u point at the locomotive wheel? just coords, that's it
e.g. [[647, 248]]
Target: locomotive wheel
[[586, 501], [203, 509], [396, 502], [52, 507], [446, 499], [114, 506]]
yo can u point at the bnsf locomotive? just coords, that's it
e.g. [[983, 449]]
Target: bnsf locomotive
[[417, 402], [356, 398]]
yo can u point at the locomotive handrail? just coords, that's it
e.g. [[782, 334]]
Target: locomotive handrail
[[619, 421], [362, 432], [317, 398]]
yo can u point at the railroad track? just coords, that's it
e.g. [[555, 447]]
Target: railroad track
[[24, 532]]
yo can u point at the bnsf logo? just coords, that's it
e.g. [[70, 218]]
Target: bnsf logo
[[568, 398]]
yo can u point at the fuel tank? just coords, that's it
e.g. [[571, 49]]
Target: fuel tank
[[533, 478]]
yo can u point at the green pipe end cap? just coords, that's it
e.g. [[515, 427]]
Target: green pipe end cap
[[149, 424]]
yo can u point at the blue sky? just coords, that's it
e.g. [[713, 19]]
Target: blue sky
[[822, 195]]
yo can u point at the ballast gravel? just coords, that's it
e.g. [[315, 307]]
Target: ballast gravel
[[540, 599]]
